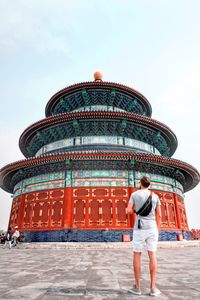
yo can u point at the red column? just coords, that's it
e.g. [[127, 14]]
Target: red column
[[177, 212], [67, 217], [185, 225], [11, 211], [114, 212], [131, 217], [21, 212]]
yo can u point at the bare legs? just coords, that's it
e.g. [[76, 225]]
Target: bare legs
[[152, 268], [137, 268]]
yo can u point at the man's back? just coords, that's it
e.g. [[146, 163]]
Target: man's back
[[138, 198]]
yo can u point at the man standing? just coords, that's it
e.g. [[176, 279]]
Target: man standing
[[145, 232]]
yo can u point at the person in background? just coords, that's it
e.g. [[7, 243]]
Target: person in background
[[15, 236], [145, 232], [2, 238], [9, 237]]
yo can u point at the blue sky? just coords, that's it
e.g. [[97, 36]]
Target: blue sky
[[152, 46]]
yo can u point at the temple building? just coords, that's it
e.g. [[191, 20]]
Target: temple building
[[83, 161]]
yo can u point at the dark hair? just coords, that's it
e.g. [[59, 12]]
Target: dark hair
[[145, 181]]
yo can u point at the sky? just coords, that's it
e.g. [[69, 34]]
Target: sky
[[152, 46]]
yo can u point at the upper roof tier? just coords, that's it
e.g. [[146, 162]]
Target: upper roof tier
[[98, 92]]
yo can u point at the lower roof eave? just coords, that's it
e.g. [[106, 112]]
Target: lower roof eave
[[131, 160]]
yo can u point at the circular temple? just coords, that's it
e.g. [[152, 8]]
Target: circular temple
[[85, 159]]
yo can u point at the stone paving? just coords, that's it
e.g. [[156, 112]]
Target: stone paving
[[99, 271]]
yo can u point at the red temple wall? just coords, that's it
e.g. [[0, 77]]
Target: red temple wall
[[89, 208]]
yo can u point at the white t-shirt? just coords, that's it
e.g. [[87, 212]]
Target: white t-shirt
[[138, 198], [16, 233]]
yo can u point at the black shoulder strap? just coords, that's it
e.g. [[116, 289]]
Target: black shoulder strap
[[144, 205]]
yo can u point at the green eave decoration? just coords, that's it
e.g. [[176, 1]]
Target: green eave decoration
[[33, 146], [67, 162], [76, 126], [39, 135], [132, 104], [61, 131], [132, 162], [158, 134], [123, 124], [53, 132], [85, 97], [64, 104], [112, 97]]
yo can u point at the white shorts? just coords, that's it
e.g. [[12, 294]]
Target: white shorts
[[142, 237]]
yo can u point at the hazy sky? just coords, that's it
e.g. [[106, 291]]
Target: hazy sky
[[150, 45]]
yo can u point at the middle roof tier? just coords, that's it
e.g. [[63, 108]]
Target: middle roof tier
[[97, 123]]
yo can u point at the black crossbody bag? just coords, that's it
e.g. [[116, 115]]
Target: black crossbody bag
[[145, 210]]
